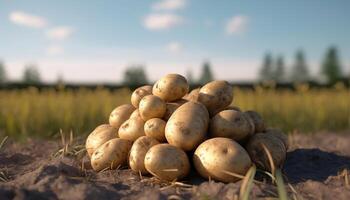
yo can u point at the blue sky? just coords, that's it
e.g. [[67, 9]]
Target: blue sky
[[94, 41]]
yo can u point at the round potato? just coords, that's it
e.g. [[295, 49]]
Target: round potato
[[132, 129], [216, 96], [134, 114], [155, 128], [236, 108], [258, 121], [151, 107], [259, 155], [100, 135], [120, 114], [171, 107], [193, 95], [167, 162], [279, 134], [187, 126], [171, 87], [139, 93], [218, 157], [231, 124], [138, 152], [111, 154]]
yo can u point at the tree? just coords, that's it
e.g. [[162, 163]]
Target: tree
[[331, 68], [300, 72], [135, 76], [279, 74], [206, 75], [189, 77], [31, 75], [2, 73], [266, 71]]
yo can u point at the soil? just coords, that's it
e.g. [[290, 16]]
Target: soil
[[317, 167]]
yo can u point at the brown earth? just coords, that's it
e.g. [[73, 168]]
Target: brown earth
[[317, 167]]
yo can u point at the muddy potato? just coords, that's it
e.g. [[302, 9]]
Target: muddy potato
[[151, 107], [171, 107], [258, 121], [187, 126], [111, 154], [216, 96], [167, 162], [138, 152], [259, 156], [217, 157], [171, 87], [193, 95], [100, 135], [279, 134], [155, 128], [132, 129], [120, 114], [139, 93], [231, 124]]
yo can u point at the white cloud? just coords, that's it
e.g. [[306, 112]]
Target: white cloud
[[237, 25], [162, 21], [29, 20], [174, 47], [169, 5], [54, 50], [59, 33]]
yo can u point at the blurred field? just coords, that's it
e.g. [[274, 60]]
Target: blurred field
[[28, 112]]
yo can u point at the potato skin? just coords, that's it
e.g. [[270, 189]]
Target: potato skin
[[259, 156], [99, 136], [134, 114], [231, 124], [187, 126], [236, 108], [171, 87], [139, 93], [151, 106], [155, 128], [276, 132], [111, 154], [258, 121], [167, 162], [120, 114], [171, 107], [193, 95], [217, 155], [132, 129], [216, 96]]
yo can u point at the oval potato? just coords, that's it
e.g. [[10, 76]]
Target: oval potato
[[138, 152], [187, 126], [171, 87], [171, 107], [132, 129], [151, 106], [100, 135], [134, 114], [167, 162], [218, 157], [155, 128], [276, 132], [216, 96], [120, 114], [193, 95], [258, 121], [139, 93], [111, 154]]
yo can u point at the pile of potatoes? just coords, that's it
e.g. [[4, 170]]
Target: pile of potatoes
[[167, 130]]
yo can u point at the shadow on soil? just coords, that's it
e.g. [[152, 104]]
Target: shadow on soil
[[313, 164]]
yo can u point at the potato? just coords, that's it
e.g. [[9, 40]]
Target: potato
[[259, 156], [134, 114], [217, 157], [100, 135], [171, 107], [120, 114], [111, 154], [258, 121], [167, 162], [139, 93], [132, 129], [187, 126], [171, 87], [151, 107], [155, 128], [279, 134], [231, 124], [236, 108], [138, 152], [193, 95], [216, 96]]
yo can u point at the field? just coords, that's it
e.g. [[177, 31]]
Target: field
[[30, 112]]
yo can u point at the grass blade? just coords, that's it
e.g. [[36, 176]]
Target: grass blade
[[247, 184], [282, 193]]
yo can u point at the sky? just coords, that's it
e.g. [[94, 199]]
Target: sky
[[95, 41]]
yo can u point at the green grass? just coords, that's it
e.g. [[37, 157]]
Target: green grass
[[29, 112]]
